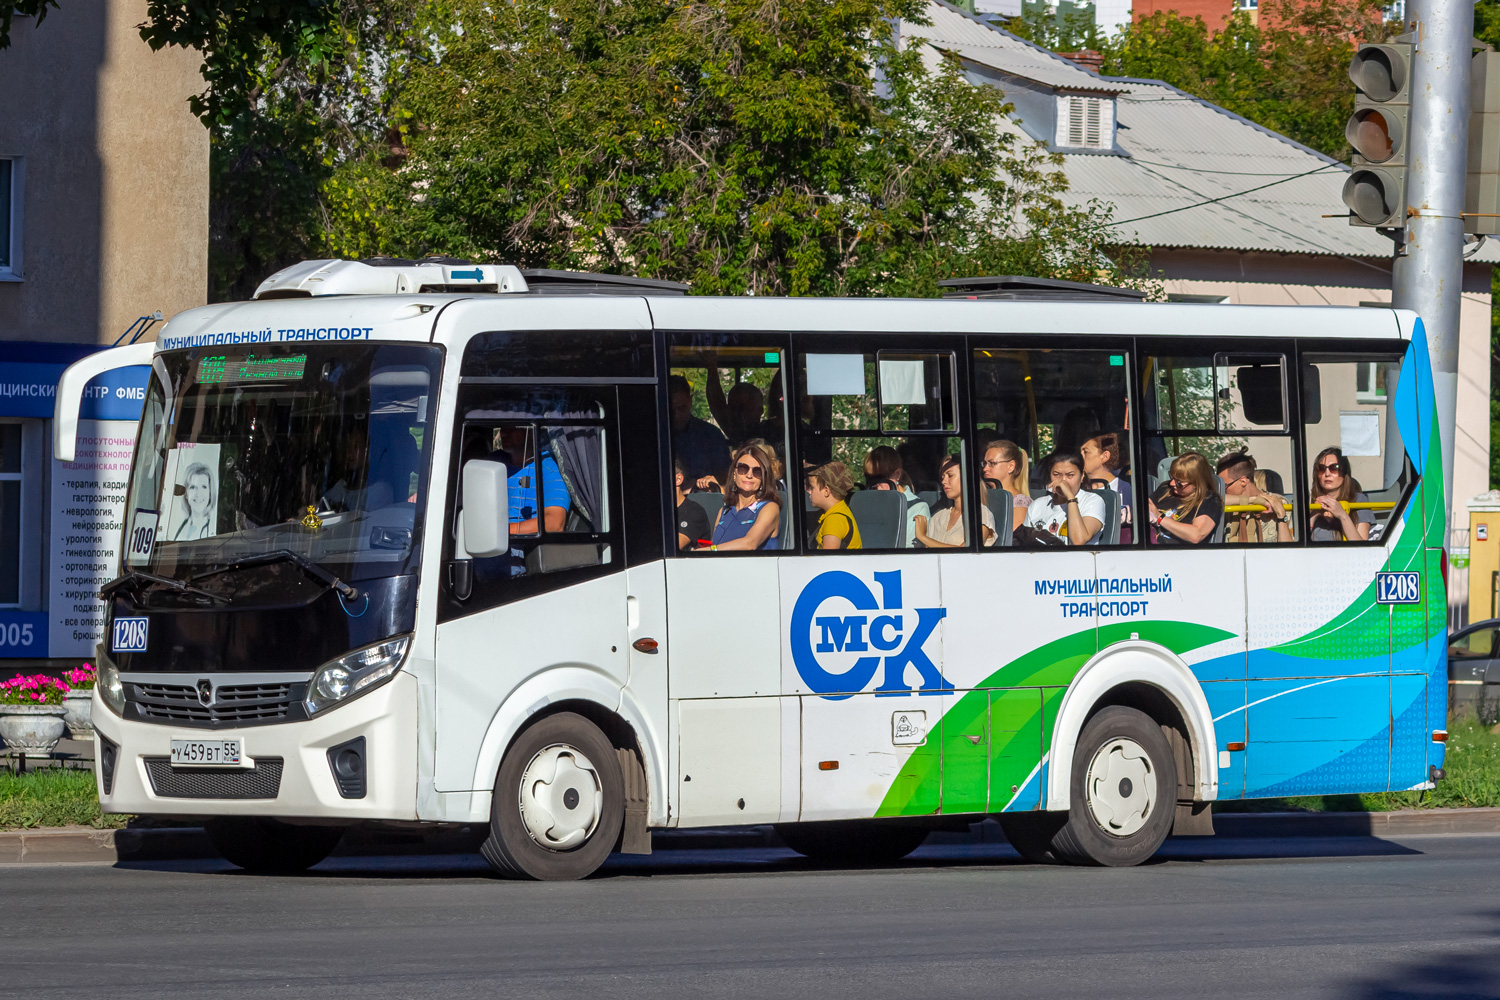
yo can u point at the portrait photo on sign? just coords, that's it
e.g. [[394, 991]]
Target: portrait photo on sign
[[191, 506]]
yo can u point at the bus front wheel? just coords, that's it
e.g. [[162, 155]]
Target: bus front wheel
[[1124, 791], [559, 802], [269, 846]]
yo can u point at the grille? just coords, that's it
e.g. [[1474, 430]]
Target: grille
[[233, 703], [263, 781]]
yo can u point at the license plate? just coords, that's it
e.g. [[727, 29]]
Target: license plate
[[207, 753]]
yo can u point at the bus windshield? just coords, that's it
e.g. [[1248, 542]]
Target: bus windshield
[[289, 453]]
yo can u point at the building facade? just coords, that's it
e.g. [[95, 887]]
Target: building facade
[[103, 219]]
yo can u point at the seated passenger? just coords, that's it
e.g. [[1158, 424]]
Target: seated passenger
[[1333, 487], [751, 516], [739, 413], [1245, 485], [1186, 509], [945, 528], [699, 443], [827, 486], [1005, 465], [692, 520], [1103, 459], [1068, 511], [884, 471], [516, 445]]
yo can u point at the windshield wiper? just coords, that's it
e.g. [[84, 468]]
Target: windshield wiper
[[282, 555], [138, 577]]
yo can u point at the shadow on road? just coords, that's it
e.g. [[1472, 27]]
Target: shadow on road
[[767, 860], [1464, 973]]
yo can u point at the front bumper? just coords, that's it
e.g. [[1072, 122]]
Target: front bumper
[[386, 717]]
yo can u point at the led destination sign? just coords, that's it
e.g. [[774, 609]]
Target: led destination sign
[[222, 370]]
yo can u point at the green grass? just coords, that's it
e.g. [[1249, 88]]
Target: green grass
[[1473, 779], [52, 796]]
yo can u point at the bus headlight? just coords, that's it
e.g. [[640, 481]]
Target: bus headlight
[[111, 691], [355, 673]]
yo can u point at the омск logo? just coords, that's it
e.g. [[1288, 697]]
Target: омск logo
[[894, 634]]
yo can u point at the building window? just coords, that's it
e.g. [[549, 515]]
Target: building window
[[10, 515], [1085, 122], [12, 174]]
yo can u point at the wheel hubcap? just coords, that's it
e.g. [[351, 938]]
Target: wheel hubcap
[[1121, 787], [561, 797]]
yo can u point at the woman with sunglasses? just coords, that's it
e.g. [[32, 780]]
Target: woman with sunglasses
[[1187, 508], [1332, 488], [751, 516]]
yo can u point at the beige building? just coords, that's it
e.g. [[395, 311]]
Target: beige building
[[108, 172], [103, 219]]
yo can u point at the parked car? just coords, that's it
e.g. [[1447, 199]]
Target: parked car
[[1474, 665]]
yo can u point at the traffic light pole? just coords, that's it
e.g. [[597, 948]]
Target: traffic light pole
[[1428, 271]]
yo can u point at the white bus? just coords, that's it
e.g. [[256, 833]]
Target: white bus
[[407, 542]]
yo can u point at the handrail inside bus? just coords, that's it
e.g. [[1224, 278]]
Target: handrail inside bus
[[1346, 504]]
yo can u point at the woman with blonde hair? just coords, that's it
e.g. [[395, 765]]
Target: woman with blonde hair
[[1187, 508], [827, 486], [751, 516], [1006, 465]]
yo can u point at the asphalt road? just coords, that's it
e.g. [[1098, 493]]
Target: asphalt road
[[1347, 918]]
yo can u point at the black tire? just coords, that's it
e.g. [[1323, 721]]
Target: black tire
[[268, 846], [1031, 833], [511, 847], [1084, 838], [853, 842]]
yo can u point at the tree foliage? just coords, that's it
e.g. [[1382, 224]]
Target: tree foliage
[[739, 145]]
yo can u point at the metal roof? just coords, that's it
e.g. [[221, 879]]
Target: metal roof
[[954, 31], [1193, 174]]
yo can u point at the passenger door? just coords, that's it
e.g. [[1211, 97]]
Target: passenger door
[[558, 599]]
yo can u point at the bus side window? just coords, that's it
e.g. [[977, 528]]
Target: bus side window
[[1219, 444], [1358, 472], [556, 446], [1055, 455], [882, 464], [727, 417]]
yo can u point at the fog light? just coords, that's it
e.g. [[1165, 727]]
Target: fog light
[[109, 754], [347, 762]]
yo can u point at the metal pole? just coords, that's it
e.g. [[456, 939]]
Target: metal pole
[[1428, 277]]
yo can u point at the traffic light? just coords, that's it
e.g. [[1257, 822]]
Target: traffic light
[[1379, 131], [1482, 190]]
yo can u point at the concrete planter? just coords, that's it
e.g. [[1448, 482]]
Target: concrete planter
[[32, 729], [80, 715]]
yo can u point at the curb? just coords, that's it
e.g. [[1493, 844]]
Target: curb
[[81, 844]]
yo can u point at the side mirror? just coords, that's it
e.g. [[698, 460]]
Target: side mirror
[[70, 391], [485, 518]]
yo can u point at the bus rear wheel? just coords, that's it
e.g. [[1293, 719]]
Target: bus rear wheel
[[559, 802], [1124, 792], [853, 842], [269, 846]]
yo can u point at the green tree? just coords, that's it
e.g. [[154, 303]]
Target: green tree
[[290, 91], [1287, 72], [737, 145]]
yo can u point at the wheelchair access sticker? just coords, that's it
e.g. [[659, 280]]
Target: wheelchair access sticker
[[128, 635], [1398, 588]]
